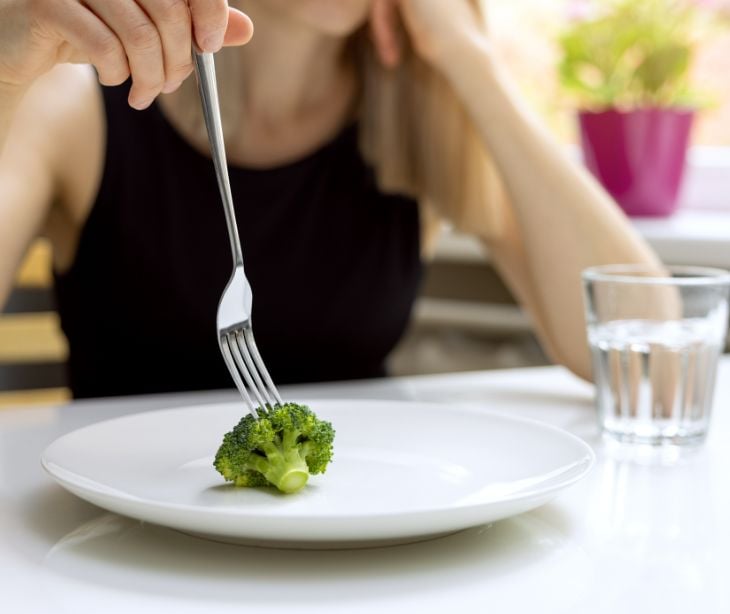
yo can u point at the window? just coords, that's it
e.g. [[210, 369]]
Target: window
[[525, 30]]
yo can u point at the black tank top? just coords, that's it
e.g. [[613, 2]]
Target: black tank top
[[334, 264]]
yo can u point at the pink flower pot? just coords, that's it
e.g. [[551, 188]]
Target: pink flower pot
[[639, 156]]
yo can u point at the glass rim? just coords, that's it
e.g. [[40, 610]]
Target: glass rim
[[629, 274]]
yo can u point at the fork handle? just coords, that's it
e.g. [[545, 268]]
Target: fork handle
[[205, 73]]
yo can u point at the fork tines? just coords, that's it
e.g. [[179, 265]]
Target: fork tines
[[243, 359]]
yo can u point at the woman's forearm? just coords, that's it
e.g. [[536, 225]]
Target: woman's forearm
[[564, 220], [9, 100], [24, 192]]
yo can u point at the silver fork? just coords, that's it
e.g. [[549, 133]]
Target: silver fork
[[235, 335]]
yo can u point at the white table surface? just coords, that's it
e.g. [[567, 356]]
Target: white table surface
[[638, 535]]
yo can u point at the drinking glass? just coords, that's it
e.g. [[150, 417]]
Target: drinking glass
[[655, 335]]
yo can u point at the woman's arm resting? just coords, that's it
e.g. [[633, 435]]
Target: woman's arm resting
[[558, 220], [562, 221]]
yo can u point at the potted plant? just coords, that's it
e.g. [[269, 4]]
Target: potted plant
[[628, 63]]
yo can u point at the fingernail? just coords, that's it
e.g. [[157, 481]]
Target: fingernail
[[171, 87], [214, 42], [142, 105]]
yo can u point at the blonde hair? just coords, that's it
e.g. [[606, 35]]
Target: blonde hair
[[414, 131]]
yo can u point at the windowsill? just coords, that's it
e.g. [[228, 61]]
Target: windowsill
[[690, 237], [697, 234], [707, 180]]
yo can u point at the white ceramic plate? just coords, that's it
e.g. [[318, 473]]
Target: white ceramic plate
[[401, 472]]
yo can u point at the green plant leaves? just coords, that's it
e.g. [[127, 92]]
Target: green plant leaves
[[633, 53], [662, 66]]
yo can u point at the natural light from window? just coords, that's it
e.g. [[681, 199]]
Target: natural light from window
[[525, 32]]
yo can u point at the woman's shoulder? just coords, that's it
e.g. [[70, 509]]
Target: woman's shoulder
[[66, 102]]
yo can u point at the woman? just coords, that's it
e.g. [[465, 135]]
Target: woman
[[354, 128]]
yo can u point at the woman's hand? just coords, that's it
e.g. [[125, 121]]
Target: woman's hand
[[147, 39], [437, 29]]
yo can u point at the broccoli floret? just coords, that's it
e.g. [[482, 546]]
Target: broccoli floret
[[283, 446]]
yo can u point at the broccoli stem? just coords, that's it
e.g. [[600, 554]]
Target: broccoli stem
[[290, 481], [286, 469], [288, 475]]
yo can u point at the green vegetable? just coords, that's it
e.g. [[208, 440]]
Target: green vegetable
[[282, 447]]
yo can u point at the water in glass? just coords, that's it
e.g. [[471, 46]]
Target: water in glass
[[655, 379]]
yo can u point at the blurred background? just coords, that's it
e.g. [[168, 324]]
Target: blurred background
[[569, 57]]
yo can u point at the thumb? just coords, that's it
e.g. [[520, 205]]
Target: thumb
[[240, 29], [385, 30]]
